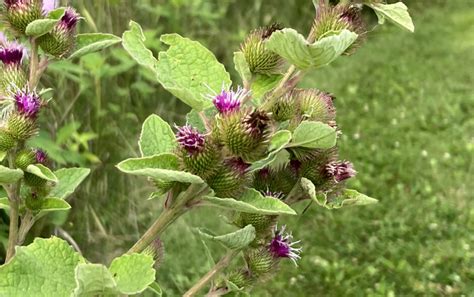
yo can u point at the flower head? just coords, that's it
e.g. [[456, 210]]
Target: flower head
[[11, 53], [28, 103], [229, 101], [282, 246], [340, 170], [256, 123], [69, 20], [190, 139], [238, 165], [41, 156]]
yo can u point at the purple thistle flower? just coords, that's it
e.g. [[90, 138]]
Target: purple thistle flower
[[282, 246], [190, 139], [340, 170], [41, 156], [238, 165], [28, 103], [69, 20], [11, 53], [256, 123], [229, 101]]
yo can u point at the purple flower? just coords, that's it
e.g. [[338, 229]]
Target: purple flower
[[238, 165], [282, 246], [11, 53], [256, 123], [190, 139], [41, 156], [340, 170], [27, 103], [49, 5], [229, 101], [69, 20]]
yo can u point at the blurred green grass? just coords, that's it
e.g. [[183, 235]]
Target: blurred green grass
[[405, 104]]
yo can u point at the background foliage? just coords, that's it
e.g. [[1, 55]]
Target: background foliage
[[405, 105]]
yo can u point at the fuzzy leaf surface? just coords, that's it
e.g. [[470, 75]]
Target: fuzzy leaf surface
[[68, 180], [397, 13], [42, 171], [133, 273], [53, 204], [133, 42], [156, 137], [236, 240], [262, 84], [349, 198], [9, 176], [94, 280], [292, 46], [93, 42], [314, 135], [242, 67], [189, 71]]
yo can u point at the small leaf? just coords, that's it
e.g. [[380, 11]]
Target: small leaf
[[93, 42], [194, 119], [397, 13], [264, 83], [53, 204], [295, 49], [189, 71], [236, 240], [156, 289], [40, 27], [68, 180], [309, 189], [133, 42], [277, 143], [242, 67], [156, 137], [164, 167], [314, 135], [42, 171], [4, 203], [349, 198], [94, 280], [9, 176], [133, 273], [252, 201], [44, 268], [57, 13]]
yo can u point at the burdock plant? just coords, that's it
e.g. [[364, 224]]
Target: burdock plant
[[255, 148]]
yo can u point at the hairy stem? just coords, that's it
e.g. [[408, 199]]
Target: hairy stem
[[34, 64], [13, 192], [168, 216], [221, 265]]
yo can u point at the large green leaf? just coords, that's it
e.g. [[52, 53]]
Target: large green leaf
[[252, 201], [156, 137], [42, 171], [164, 167], [133, 42], [236, 240], [93, 42], [94, 280], [9, 176], [314, 135], [68, 180], [397, 13], [133, 273], [349, 198], [277, 143], [190, 71], [45, 268], [295, 49]]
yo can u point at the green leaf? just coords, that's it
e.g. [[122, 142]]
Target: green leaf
[[349, 198], [242, 67], [277, 143], [164, 167], [40, 27], [9, 176], [295, 49], [93, 42], [53, 204], [4, 203], [45, 268], [397, 13], [68, 180], [189, 71], [94, 280], [236, 240], [310, 190], [264, 83], [156, 289], [42, 171], [252, 201], [133, 42], [314, 135], [194, 119], [156, 137], [133, 273]]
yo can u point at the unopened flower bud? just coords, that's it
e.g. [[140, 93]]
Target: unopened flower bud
[[315, 105], [241, 278], [25, 158], [19, 13], [284, 108], [259, 59], [34, 181], [230, 178], [7, 141], [261, 261], [61, 40]]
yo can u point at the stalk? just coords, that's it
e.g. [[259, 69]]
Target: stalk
[[168, 216], [221, 265], [13, 192]]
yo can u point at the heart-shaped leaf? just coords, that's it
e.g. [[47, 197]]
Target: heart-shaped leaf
[[133, 273], [397, 13], [156, 137]]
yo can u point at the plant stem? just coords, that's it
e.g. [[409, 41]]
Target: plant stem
[[221, 265], [34, 64], [168, 216], [13, 192]]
